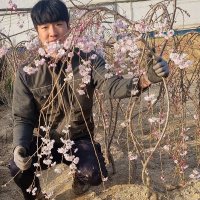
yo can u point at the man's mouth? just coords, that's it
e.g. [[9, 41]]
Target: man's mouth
[[53, 41]]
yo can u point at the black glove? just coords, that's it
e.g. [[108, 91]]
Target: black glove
[[157, 71]]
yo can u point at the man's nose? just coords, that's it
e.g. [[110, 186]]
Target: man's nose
[[52, 31]]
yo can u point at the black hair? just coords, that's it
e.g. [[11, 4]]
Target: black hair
[[48, 11]]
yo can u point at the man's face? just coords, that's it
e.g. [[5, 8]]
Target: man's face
[[52, 32]]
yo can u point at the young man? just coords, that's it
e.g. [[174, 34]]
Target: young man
[[40, 100]]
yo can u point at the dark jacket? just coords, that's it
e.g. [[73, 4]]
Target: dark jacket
[[45, 99]]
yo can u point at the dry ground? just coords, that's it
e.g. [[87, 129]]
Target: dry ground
[[116, 188]]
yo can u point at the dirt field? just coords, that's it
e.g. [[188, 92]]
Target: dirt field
[[116, 188]]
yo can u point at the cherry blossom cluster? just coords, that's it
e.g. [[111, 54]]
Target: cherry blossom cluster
[[12, 6], [85, 44], [123, 47], [46, 151], [160, 28], [132, 156], [33, 44], [195, 174], [68, 152], [126, 50], [85, 72], [30, 70], [142, 27], [32, 190], [181, 60]]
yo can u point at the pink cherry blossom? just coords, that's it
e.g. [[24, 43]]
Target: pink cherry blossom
[[61, 53], [93, 56], [119, 24], [40, 62], [184, 153], [70, 54], [162, 178], [53, 164], [85, 44], [47, 161], [36, 164], [43, 128], [166, 147], [62, 150], [107, 66], [76, 160], [108, 75], [12, 5], [104, 179], [170, 33], [34, 191], [86, 79], [153, 120], [30, 70], [142, 27], [41, 51], [192, 176], [58, 170], [3, 51], [80, 92], [68, 42], [52, 65], [69, 77], [33, 44], [69, 157], [132, 156], [180, 60], [69, 68], [134, 92], [28, 190], [37, 174], [150, 98], [53, 48], [68, 143]]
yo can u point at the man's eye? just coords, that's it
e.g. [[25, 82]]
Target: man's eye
[[44, 27], [59, 24]]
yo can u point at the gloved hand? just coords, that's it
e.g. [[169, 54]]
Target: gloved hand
[[157, 71], [21, 159]]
